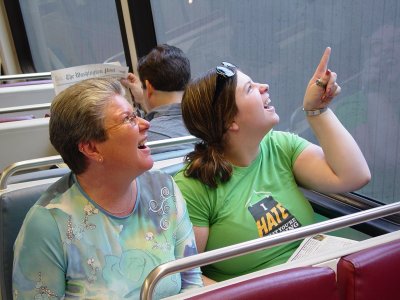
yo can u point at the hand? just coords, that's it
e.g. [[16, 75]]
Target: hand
[[318, 96], [132, 82]]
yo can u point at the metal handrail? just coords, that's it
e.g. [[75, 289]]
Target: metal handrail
[[13, 109], [42, 75], [213, 256], [27, 165], [172, 142], [53, 160]]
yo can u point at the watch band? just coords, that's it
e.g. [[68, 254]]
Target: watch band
[[315, 112]]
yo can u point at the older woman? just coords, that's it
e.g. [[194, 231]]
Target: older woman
[[241, 181], [97, 232]]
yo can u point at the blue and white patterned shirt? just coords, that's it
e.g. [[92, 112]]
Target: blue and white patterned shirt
[[69, 246]]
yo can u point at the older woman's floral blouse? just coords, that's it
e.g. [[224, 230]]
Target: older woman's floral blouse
[[68, 246]]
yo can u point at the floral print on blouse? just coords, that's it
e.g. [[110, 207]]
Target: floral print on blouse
[[69, 247]]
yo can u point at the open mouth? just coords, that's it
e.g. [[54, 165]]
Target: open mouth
[[142, 145], [266, 103]]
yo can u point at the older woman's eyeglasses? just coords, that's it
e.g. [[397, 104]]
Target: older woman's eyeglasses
[[224, 71], [128, 119]]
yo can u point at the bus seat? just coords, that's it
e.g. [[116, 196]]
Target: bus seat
[[26, 94], [26, 83], [170, 153], [16, 118], [371, 273], [23, 140], [14, 204], [303, 283], [173, 169], [170, 161], [38, 175]]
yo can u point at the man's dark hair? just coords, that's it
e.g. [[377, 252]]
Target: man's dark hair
[[166, 67]]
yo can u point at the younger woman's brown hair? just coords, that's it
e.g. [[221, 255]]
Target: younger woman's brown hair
[[209, 119]]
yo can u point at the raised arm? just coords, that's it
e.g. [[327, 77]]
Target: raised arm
[[337, 165], [132, 82]]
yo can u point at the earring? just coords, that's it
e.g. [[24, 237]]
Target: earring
[[100, 160]]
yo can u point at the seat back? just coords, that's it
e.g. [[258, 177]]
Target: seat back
[[14, 205], [23, 140], [303, 283], [16, 118], [20, 94], [38, 175], [371, 273]]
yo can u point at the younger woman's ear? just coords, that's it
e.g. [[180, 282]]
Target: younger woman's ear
[[234, 126]]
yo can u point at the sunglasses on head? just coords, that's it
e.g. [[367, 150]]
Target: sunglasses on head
[[224, 71]]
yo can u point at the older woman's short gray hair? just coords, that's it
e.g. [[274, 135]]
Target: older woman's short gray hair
[[77, 115]]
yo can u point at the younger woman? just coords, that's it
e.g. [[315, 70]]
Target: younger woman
[[242, 180]]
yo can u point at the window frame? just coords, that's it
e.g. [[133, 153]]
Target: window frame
[[21, 43]]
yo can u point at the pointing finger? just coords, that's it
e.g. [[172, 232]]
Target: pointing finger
[[323, 64]]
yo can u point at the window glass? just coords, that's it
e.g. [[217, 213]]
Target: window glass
[[281, 42], [67, 33]]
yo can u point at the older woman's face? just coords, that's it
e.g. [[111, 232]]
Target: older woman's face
[[125, 150], [255, 112]]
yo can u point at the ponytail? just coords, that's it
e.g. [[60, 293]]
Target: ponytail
[[207, 164]]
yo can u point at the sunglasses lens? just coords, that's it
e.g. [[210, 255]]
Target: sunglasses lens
[[225, 72], [228, 65]]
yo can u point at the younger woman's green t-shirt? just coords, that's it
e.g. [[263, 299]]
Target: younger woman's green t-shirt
[[259, 200]]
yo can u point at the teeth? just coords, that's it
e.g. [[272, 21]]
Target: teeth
[[141, 144]]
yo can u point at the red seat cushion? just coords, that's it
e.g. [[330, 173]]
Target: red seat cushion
[[305, 283], [370, 274]]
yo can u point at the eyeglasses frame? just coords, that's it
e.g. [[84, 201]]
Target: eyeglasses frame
[[131, 119]]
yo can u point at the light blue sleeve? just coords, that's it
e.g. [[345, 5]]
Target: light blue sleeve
[[39, 265], [186, 243]]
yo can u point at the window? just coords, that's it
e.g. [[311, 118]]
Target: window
[[67, 33], [281, 42]]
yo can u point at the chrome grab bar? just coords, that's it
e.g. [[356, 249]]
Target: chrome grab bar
[[213, 256], [172, 142], [13, 109], [42, 75], [27, 165], [52, 160]]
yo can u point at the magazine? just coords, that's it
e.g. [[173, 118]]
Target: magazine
[[320, 243]]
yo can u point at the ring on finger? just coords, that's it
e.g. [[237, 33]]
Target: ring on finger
[[320, 83]]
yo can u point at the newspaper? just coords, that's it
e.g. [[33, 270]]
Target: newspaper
[[64, 78], [320, 243]]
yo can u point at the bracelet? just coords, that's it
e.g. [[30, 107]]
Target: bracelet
[[315, 112]]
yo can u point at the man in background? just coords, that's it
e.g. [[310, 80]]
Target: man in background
[[163, 75]]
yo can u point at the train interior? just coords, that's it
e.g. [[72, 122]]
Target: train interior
[[29, 164]]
